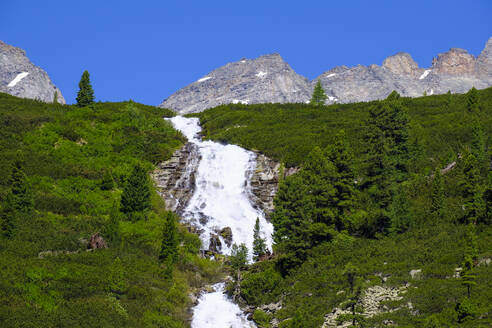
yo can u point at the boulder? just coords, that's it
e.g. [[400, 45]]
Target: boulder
[[97, 242]]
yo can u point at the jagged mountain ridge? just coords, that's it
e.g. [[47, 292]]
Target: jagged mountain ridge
[[20, 77], [270, 79]]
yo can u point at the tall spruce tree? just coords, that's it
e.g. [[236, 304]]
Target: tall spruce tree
[[319, 97], [472, 191], [113, 225], [387, 156], [22, 200], [169, 245], [473, 101], [437, 194], [8, 217], [85, 96], [136, 194], [340, 155], [259, 245]]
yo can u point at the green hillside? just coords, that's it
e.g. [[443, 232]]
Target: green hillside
[[76, 163], [369, 210]]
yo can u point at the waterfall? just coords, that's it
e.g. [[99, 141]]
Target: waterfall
[[221, 199]]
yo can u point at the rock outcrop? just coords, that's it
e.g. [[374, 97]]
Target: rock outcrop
[[269, 79], [21, 78], [264, 79], [175, 178]]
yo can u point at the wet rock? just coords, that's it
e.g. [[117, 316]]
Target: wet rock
[[215, 244], [175, 178], [226, 233], [97, 242]]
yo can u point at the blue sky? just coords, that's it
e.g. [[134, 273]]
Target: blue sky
[[146, 50]]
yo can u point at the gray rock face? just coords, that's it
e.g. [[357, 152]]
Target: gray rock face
[[261, 80], [268, 79], [19, 77]]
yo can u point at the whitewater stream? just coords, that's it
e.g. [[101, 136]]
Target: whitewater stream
[[221, 199]]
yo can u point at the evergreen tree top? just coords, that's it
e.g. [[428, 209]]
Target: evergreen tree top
[[85, 96]]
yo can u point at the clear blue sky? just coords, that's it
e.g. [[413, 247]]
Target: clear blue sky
[[146, 50]]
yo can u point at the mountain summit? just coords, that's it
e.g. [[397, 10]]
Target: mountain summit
[[19, 77], [269, 79], [264, 79]]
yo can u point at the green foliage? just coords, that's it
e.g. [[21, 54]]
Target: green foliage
[[437, 194], [113, 226], [239, 256], [259, 245], [8, 217], [409, 138], [136, 194], [262, 319], [48, 277], [466, 310], [473, 100], [55, 97], [260, 287], [85, 95], [169, 246], [21, 196], [319, 97]]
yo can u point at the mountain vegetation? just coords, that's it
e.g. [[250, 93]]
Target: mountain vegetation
[[71, 176], [391, 195]]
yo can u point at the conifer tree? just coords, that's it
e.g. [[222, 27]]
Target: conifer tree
[[437, 194], [169, 245], [473, 191], [399, 212], [259, 245], [137, 192], [55, 97], [22, 200], [387, 156], [351, 272], [85, 96], [239, 259], [8, 217], [473, 100], [319, 97], [341, 157]]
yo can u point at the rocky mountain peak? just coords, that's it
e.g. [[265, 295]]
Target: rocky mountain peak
[[401, 63], [484, 61], [267, 78], [456, 61], [19, 77]]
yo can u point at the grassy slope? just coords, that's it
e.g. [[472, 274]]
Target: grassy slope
[[288, 132], [67, 151]]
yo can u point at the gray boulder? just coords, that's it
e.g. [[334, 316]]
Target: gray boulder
[[19, 77]]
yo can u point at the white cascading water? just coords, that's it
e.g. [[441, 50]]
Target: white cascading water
[[221, 199]]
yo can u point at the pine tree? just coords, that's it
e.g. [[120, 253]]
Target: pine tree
[[85, 96], [437, 194], [137, 192], [22, 200], [399, 212], [351, 272], [169, 245], [8, 217], [239, 257], [55, 97], [394, 95], [259, 245], [473, 100], [341, 156], [473, 191], [319, 97], [478, 142], [387, 156]]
